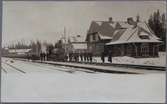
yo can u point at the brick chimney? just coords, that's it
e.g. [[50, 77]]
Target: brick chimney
[[110, 20], [131, 21]]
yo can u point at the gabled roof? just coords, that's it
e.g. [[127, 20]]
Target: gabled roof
[[95, 26], [132, 35], [75, 39], [121, 24], [122, 32], [103, 36], [79, 46], [104, 28]]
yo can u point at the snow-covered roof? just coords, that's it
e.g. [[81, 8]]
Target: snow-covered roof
[[104, 36], [95, 26], [141, 41], [132, 35], [76, 39], [79, 46], [99, 22], [124, 24], [105, 28], [145, 27], [121, 31], [113, 24]]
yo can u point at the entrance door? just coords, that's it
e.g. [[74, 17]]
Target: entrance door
[[145, 49]]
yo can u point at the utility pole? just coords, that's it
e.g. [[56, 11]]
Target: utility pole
[[65, 39]]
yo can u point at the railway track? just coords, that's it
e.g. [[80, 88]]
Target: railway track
[[13, 67], [36, 64], [59, 68], [4, 70]]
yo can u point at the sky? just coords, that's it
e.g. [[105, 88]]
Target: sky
[[46, 20]]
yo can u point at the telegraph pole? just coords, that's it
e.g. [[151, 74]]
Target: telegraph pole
[[65, 39]]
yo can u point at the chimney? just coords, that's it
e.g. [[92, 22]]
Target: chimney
[[110, 20], [131, 21]]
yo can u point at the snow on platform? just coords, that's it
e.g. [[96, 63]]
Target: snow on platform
[[41, 83], [159, 61], [103, 68]]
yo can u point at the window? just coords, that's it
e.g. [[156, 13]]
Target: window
[[129, 50], [90, 38], [94, 36], [145, 49], [144, 36]]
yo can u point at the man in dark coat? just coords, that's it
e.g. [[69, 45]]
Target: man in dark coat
[[44, 56], [85, 56], [110, 56], [90, 56], [103, 57], [70, 56], [66, 57], [41, 56]]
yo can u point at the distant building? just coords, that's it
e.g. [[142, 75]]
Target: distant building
[[127, 38], [77, 45], [19, 51]]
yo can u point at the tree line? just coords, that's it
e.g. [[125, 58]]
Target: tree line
[[157, 23], [35, 45]]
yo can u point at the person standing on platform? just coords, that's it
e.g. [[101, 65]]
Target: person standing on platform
[[90, 56], [110, 57], [81, 56], [41, 56], [66, 57], [44, 56], [103, 57], [70, 57], [85, 56]]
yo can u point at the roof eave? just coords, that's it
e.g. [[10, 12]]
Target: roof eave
[[112, 43]]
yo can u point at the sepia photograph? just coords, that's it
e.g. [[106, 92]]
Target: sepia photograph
[[83, 51]]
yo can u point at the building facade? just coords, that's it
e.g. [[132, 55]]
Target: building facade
[[122, 38]]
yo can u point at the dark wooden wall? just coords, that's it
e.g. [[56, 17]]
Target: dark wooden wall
[[133, 50]]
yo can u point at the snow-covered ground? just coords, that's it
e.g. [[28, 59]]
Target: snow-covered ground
[[50, 83], [159, 61]]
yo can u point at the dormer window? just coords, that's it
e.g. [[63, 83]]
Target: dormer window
[[144, 36]]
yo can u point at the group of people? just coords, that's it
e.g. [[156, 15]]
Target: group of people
[[79, 57], [43, 56], [83, 57], [109, 57]]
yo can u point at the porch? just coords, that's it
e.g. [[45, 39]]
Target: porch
[[133, 49]]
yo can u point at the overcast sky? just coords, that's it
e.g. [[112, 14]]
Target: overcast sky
[[27, 20]]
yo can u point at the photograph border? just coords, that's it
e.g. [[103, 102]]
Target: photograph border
[[1, 21]]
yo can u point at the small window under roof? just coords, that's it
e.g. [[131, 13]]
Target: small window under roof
[[144, 35]]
